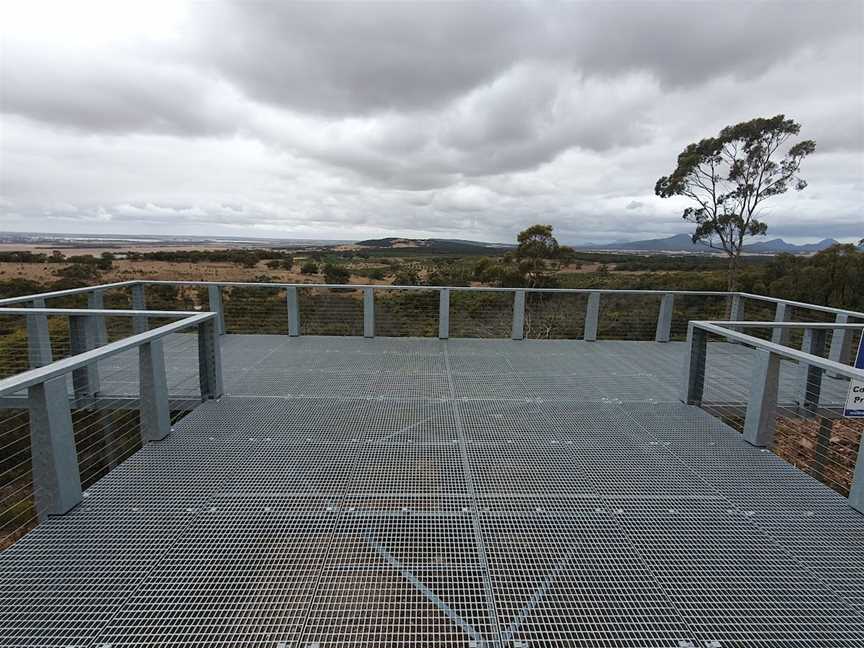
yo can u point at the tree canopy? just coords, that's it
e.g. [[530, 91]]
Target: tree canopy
[[538, 255], [729, 177]]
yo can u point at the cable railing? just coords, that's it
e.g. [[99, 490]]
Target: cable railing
[[65, 423], [424, 311], [791, 401], [112, 363]]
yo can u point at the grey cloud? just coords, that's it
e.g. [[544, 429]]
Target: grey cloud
[[446, 119], [98, 95], [353, 58], [685, 43]]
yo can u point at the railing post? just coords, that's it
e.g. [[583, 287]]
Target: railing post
[[96, 301], [209, 361], [82, 337], [856, 493], [761, 418], [214, 298], [38, 337], [139, 322], [518, 332], [368, 313], [841, 341], [155, 409], [783, 313], [444, 313], [56, 479], [736, 311], [293, 312], [695, 357], [592, 314], [664, 318], [810, 387]]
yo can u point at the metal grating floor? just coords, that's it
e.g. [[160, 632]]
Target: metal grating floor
[[408, 492]]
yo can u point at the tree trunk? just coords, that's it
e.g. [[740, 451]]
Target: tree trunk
[[732, 282]]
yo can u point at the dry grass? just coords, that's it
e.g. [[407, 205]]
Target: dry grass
[[171, 270], [825, 449]]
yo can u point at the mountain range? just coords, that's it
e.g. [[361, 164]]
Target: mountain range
[[683, 243]]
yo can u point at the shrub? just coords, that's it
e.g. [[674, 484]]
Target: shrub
[[336, 274]]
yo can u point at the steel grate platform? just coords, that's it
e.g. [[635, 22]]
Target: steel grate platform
[[473, 493]]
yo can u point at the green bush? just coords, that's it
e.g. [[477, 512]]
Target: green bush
[[336, 274]]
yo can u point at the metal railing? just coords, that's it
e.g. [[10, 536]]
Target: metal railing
[[54, 416], [68, 400], [788, 400], [517, 313]]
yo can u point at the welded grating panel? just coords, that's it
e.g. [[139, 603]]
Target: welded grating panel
[[407, 469], [729, 582], [397, 579], [62, 583], [826, 540], [583, 423], [521, 469], [413, 506], [307, 469], [637, 472], [242, 574], [570, 578]]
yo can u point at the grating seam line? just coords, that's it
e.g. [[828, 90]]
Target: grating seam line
[[154, 566], [327, 555], [778, 544], [475, 515]]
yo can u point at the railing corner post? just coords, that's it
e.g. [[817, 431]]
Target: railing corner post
[[664, 318], [83, 337], [368, 313], [695, 360], [780, 334], [592, 315], [810, 380], [518, 332], [56, 477], [293, 311], [209, 361], [38, 337], [155, 409], [214, 298], [139, 322], [841, 341], [96, 301], [736, 310], [761, 418], [856, 492], [444, 314]]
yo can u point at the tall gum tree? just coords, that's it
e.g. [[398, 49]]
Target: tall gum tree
[[730, 176]]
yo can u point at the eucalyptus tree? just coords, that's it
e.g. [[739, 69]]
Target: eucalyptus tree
[[728, 178]]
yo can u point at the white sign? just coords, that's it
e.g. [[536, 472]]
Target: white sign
[[855, 399]]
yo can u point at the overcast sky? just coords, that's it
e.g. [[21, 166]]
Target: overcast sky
[[454, 120]]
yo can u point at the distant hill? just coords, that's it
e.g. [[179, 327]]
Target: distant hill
[[779, 245], [434, 246], [682, 243], [677, 243]]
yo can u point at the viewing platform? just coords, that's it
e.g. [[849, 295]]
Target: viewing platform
[[179, 479]]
